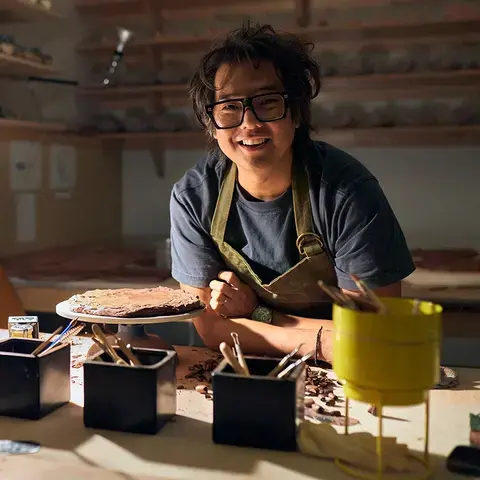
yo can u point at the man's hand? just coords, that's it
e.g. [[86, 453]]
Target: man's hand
[[232, 298]]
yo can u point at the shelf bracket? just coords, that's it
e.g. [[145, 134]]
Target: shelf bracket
[[303, 11], [157, 152]]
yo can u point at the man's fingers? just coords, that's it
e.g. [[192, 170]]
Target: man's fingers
[[220, 297], [217, 307], [222, 287], [230, 278]]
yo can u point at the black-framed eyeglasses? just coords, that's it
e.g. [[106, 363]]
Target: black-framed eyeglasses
[[267, 107]]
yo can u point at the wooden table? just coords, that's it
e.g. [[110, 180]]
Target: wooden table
[[183, 449]]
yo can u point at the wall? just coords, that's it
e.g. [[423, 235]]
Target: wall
[[90, 209], [433, 191]]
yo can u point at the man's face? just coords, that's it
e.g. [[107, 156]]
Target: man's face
[[272, 141]]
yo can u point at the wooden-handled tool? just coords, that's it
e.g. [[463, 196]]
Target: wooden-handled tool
[[240, 357], [64, 340], [367, 292], [134, 361], [100, 337], [230, 358], [46, 342]]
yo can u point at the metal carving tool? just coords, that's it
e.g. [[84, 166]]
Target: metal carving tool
[[124, 36], [134, 361], [284, 361], [294, 365]]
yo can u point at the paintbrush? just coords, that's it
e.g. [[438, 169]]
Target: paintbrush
[[46, 342], [59, 338], [66, 339]]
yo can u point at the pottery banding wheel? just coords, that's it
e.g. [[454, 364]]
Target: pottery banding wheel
[[131, 309]]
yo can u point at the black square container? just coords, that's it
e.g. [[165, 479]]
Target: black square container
[[32, 387], [130, 399], [257, 411]]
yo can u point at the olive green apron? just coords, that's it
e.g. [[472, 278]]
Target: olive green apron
[[296, 291]]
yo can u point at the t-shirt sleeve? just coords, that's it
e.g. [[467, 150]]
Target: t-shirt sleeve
[[369, 241], [195, 258]]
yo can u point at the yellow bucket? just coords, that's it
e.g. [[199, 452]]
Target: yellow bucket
[[388, 359]]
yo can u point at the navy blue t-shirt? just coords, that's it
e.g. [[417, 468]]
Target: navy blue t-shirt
[[350, 211]]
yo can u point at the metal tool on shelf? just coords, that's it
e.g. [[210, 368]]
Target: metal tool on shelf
[[124, 37]]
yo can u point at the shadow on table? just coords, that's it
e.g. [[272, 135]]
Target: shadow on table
[[185, 442], [171, 447], [62, 429]]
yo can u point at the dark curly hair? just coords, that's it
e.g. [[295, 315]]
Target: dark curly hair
[[296, 68]]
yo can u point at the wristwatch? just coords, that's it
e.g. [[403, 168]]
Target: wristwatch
[[262, 314]]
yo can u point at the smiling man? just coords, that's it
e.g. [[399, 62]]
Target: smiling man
[[269, 211]]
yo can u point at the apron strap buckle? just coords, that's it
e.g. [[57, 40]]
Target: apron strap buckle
[[309, 244]]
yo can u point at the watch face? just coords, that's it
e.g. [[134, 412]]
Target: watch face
[[262, 314]]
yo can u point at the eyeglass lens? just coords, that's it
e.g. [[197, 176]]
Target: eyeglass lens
[[267, 108]]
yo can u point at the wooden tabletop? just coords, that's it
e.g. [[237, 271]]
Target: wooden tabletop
[[183, 449]]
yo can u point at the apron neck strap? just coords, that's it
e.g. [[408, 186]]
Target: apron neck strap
[[308, 243], [224, 203]]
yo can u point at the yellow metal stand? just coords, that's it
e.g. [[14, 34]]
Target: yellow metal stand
[[388, 359]]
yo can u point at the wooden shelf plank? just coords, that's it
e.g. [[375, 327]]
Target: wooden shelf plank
[[455, 83], [110, 6], [393, 86], [132, 90], [330, 37], [406, 137], [130, 11], [205, 7], [24, 11], [10, 64], [13, 124], [368, 137]]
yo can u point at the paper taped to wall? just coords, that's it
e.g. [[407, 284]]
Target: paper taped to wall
[[26, 217], [63, 167], [25, 165]]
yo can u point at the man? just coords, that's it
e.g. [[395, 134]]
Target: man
[[269, 212]]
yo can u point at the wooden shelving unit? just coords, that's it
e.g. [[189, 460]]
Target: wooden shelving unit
[[361, 137], [371, 87], [12, 66], [24, 11], [392, 86]]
